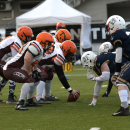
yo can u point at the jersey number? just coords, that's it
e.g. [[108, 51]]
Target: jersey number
[[128, 33]]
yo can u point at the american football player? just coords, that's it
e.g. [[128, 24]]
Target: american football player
[[59, 25], [61, 36], [9, 47], [105, 48], [120, 39], [23, 68], [56, 60], [103, 65]]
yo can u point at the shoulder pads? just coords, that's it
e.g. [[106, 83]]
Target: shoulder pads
[[33, 50]]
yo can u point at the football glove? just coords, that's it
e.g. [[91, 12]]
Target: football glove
[[91, 77], [93, 103], [105, 94], [36, 75]]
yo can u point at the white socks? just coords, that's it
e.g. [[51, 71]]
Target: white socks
[[24, 91], [32, 90], [40, 89], [48, 88], [123, 94]]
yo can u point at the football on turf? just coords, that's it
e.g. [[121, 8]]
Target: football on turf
[[71, 97]]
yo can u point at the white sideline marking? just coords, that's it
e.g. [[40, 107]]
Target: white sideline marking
[[104, 86], [95, 128]]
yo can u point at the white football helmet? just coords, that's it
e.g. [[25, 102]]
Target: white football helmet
[[114, 23], [105, 47], [87, 59]]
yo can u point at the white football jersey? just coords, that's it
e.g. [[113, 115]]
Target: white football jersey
[[9, 47], [18, 60], [55, 40], [57, 57]]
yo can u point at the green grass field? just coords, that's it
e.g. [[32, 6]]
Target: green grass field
[[63, 115]]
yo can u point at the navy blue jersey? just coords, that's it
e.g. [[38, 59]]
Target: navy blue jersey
[[108, 58], [124, 76], [122, 36]]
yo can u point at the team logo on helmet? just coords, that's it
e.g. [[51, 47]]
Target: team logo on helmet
[[112, 21], [84, 59], [106, 46]]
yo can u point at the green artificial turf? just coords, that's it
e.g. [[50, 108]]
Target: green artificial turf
[[63, 115]]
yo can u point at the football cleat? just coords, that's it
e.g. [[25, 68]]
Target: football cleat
[[11, 99], [20, 107], [122, 112], [51, 98], [42, 101], [31, 103]]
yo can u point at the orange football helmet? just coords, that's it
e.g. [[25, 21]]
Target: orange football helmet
[[45, 39], [24, 33], [68, 47], [63, 35], [60, 25]]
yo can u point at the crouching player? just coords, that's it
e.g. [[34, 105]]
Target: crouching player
[[19, 68], [103, 65]]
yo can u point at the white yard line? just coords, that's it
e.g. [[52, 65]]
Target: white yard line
[[103, 86], [95, 128], [68, 75]]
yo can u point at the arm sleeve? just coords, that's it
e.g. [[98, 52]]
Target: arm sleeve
[[104, 77], [61, 76], [118, 59]]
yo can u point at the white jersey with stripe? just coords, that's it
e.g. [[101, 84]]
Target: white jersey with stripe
[[18, 60], [57, 57], [10, 47]]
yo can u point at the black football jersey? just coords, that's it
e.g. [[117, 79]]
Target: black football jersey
[[108, 58], [123, 36]]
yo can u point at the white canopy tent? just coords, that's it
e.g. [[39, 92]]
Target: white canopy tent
[[50, 12]]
